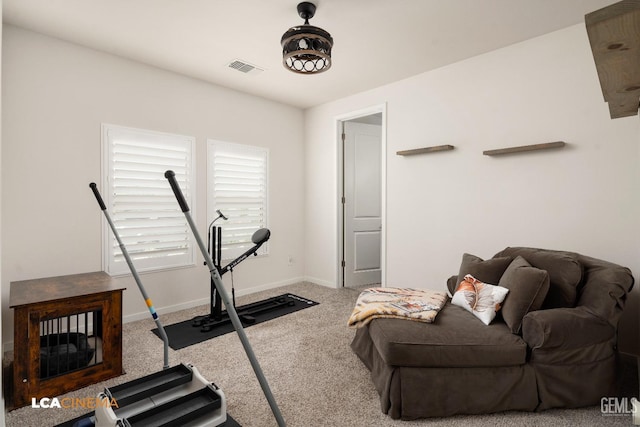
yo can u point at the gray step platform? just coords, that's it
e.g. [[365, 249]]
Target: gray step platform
[[178, 396]]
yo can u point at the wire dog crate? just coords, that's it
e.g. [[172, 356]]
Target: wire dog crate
[[70, 342]]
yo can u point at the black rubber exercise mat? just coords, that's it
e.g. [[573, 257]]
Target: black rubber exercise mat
[[184, 334]]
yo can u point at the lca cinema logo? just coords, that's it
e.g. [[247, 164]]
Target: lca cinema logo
[[621, 406], [73, 402]]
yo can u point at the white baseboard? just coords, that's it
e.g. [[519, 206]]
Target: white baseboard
[[268, 286], [321, 282], [165, 310]]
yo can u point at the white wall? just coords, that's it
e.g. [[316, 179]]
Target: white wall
[[1, 334], [55, 96], [582, 198]]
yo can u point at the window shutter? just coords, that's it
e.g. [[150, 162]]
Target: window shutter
[[140, 201], [238, 186]]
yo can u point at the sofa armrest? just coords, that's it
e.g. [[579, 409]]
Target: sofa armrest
[[564, 329]]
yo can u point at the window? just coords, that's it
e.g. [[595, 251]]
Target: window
[[237, 186], [140, 201]]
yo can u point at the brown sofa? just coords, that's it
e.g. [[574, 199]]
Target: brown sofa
[[561, 355]]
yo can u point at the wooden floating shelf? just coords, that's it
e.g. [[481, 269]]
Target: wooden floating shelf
[[425, 150], [614, 35], [523, 148]]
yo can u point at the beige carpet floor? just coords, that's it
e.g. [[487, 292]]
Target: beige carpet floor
[[306, 358]]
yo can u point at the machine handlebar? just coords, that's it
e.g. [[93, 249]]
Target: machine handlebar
[[96, 193], [171, 176]]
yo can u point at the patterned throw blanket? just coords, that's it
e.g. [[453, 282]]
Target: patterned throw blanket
[[397, 303]]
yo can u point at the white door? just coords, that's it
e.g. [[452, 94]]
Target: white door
[[362, 204]]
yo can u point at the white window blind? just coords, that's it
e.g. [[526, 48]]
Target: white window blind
[[140, 201], [237, 186]]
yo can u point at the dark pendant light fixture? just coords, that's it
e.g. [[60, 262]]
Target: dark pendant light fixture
[[306, 49]]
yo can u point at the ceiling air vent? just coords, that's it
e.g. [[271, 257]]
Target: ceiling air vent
[[245, 67]]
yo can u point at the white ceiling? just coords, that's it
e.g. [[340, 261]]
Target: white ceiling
[[376, 41]]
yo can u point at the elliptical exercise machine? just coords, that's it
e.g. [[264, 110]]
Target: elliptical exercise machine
[[179, 395], [246, 313], [175, 396]]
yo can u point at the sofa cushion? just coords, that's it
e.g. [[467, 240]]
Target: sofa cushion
[[488, 271], [483, 300], [564, 268], [528, 287], [455, 339]]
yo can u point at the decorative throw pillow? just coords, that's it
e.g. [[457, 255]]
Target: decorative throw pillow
[[480, 299], [564, 268], [489, 271], [528, 287]]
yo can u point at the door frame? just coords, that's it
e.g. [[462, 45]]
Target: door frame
[[339, 120]]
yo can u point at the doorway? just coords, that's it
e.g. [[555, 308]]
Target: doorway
[[361, 208]]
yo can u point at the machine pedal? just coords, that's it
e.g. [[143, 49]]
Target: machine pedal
[[196, 408], [142, 388]]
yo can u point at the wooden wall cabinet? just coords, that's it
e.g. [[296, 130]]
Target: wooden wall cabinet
[[43, 302]]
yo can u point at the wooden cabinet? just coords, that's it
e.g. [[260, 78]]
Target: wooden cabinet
[[67, 334]]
